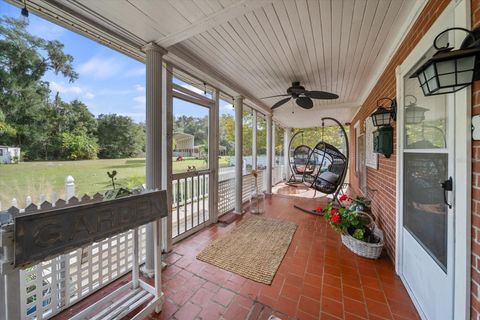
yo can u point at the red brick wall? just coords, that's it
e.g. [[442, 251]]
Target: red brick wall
[[383, 180], [475, 290]]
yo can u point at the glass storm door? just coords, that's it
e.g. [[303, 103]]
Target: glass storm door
[[426, 166]]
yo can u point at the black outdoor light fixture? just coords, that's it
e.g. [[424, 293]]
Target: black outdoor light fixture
[[451, 70], [414, 114], [382, 116], [24, 11]]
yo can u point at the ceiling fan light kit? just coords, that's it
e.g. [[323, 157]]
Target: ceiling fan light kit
[[303, 97]]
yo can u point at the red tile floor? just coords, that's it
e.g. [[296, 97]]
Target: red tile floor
[[318, 278]]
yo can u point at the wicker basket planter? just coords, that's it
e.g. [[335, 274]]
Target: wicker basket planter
[[362, 248]]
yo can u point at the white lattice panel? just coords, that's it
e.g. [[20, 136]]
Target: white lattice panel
[[52, 286]]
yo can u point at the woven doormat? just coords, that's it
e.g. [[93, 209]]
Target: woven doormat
[[254, 249]]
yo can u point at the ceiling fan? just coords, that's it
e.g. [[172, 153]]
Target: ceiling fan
[[302, 96]]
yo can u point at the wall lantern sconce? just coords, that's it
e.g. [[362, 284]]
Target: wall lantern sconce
[[414, 114], [383, 136], [382, 116], [451, 70]]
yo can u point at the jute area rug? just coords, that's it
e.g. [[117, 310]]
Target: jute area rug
[[254, 249]]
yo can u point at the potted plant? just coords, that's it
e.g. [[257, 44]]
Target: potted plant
[[358, 229]]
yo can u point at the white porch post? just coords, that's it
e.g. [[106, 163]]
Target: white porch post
[[238, 105], [154, 138], [167, 150], [274, 134], [269, 153], [254, 140], [213, 153], [287, 135]]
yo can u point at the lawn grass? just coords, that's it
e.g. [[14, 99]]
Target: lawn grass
[[46, 177]]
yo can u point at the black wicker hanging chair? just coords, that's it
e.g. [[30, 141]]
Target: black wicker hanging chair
[[298, 158], [329, 167]]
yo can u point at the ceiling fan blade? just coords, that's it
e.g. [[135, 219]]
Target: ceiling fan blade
[[305, 102], [278, 95], [279, 103], [321, 95]]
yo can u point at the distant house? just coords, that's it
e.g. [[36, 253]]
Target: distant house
[[9, 154], [183, 144]]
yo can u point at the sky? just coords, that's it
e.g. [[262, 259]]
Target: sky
[[109, 81]]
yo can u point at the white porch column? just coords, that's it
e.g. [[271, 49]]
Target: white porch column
[[154, 138], [254, 140], [269, 153], [213, 153], [287, 135], [238, 105], [274, 135]]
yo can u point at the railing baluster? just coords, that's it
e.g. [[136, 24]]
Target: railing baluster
[[191, 201], [204, 196], [198, 200], [178, 206], [185, 190]]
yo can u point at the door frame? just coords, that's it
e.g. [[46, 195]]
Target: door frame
[[460, 9], [175, 91]]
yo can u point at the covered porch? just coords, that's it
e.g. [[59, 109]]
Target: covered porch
[[212, 54]]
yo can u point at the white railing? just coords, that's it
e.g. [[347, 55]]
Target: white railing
[[189, 201], [52, 286], [226, 191]]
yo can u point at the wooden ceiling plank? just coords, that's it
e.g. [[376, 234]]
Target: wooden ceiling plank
[[297, 53], [338, 23], [254, 46], [314, 10], [220, 17], [263, 39], [229, 37], [347, 16], [306, 25], [270, 37], [375, 29], [277, 28], [223, 52], [189, 10], [326, 18], [367, 21], [168, 19], [356, 25], [266, 51], [389, 25]]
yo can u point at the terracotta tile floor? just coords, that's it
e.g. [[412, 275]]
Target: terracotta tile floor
[[318, 279]]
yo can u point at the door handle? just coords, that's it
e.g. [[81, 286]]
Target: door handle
[[447, 185]]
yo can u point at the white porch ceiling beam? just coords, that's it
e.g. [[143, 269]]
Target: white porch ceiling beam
[[226, 14]]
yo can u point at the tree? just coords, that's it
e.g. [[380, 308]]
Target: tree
[[119, 136], [79, 146], [24, 97]]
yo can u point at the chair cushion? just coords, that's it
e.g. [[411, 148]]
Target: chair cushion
[[329, 176]]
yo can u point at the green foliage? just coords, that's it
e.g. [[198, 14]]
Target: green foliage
[[311, 136], [119, 136], [343, 219], [79, 146]]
